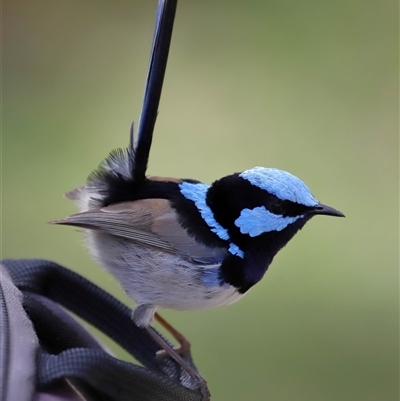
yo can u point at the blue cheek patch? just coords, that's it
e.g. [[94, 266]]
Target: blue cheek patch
[[197, 193], [282, 184], [260, 220]]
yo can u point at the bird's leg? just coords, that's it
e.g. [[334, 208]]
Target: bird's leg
[[142, 316], [181, 362], [184, 349]]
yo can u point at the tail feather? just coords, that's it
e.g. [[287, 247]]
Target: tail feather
[[113, 180], [124, 170]]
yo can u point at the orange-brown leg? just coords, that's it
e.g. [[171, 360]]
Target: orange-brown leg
[[184, 348]]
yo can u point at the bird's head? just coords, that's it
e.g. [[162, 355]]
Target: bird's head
[[263, 202]]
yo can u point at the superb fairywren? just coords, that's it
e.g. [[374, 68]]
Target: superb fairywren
[[182, 244], [179, 243]]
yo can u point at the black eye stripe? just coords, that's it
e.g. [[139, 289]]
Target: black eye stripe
[[286, 208]]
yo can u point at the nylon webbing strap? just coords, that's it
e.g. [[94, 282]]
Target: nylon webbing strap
[[57, 330], [40, 280], [111, 377], [87, 301]]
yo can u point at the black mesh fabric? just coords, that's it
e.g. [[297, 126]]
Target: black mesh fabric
[[68, 351], [111, 378]]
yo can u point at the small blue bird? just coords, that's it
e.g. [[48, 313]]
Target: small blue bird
[[181, 244]]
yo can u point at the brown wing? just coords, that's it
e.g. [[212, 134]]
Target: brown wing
[[151, 222]]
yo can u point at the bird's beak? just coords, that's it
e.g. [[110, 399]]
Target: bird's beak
[[329, 211]]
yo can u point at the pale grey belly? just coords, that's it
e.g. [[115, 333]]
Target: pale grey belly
[[164, 280]]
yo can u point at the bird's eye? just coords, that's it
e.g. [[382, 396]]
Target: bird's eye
[[277, 208]]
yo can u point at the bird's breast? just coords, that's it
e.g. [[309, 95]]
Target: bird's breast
[[163, 279]]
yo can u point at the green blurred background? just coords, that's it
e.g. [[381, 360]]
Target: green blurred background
[[306, 86]]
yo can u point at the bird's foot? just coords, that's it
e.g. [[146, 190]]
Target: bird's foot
[[183, 350], [167, 350]]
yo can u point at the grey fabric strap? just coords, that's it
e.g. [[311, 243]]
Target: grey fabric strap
[[68, 354], [18, 344]]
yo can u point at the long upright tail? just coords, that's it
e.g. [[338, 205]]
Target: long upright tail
[[125, 169], [155, 78]]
